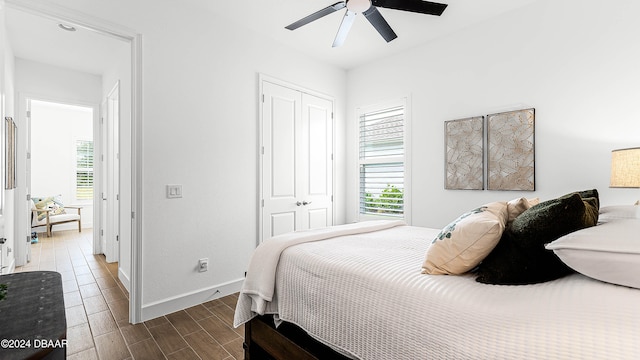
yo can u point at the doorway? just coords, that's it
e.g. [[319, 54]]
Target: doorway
[[130, 129], [60, 162]]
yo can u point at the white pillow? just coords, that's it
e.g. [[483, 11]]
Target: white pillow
[[619, 212], [608, 252], [466, 241]]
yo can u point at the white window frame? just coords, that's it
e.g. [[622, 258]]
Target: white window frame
[[406, 159]]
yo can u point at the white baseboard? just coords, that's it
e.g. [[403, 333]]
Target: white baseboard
[[170, 305], [8, 269], [124, 279]]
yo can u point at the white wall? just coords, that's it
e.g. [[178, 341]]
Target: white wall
[[574, 62], [51, 82], [199, 129]]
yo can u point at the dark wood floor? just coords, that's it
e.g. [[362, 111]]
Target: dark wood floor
[[97, 309]]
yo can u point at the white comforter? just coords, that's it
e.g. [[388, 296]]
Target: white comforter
[[256, 296], [364, 295]]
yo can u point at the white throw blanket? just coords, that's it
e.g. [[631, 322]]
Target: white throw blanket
[[258, 288]]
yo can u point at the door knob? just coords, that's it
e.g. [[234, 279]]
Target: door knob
[[298, 203], [306, 203]]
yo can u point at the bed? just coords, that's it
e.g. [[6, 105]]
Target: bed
[[356, 292]]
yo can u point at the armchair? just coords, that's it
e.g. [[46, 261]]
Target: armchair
[[50, 211]]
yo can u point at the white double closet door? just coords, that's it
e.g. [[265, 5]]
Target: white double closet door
[[297, 165]]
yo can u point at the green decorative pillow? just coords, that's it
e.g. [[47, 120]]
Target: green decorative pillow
[[462, 244], [591, 194], [52, 203], [520, 256]]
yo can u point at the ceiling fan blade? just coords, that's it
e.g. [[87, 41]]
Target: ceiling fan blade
[[418, 6], [345, 26], [317, 15], [375, 18]]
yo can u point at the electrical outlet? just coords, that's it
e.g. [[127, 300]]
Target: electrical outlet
[[203, 265]]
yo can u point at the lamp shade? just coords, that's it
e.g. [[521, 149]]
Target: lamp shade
[[625, 168]]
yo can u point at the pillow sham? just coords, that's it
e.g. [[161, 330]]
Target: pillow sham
[[609, 252], [520, 256], [462, 244]]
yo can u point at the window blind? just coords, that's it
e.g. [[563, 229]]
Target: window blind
[[84, 169], [382, 162]]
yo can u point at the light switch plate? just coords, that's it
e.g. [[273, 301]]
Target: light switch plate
[[174, 191]]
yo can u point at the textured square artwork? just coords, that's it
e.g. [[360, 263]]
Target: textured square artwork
[[511, 151], [464, 149]]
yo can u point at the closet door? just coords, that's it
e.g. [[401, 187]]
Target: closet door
[[297, 176], [317, 164]]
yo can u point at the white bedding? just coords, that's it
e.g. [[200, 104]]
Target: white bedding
[[364, 295], [257, 293]]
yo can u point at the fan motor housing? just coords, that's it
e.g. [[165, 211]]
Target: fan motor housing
[[358, 6]]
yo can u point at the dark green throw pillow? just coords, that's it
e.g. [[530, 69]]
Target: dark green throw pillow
[[520, 256], [591, 194]]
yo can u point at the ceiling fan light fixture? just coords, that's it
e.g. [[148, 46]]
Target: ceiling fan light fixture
[[358, 6], [369, 8], [66, 27]]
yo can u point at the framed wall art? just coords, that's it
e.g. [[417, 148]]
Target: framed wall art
[[511, 150], [464, 154]]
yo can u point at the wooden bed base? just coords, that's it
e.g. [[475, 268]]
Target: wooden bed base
[[263, 341]]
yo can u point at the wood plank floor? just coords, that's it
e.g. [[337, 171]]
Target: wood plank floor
[[97, 310]]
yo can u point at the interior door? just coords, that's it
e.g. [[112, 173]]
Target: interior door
[[297, 167], [281, 110], [23, 249], [103, 178], [110, 178], [317, 164], [114, 171]]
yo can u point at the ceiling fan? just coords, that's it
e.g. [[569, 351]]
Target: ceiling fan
[[368, 8]]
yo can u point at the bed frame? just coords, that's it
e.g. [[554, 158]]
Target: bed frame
[[263, 341]]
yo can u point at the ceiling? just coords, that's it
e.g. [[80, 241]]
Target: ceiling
[[363, 43], [33, 37], [38, 38]]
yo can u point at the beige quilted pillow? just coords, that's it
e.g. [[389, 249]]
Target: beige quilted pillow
[[465, 242]]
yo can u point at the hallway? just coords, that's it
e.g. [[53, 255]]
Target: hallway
[[97, 310]]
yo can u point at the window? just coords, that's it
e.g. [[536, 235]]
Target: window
[[382, 161], [84, 170]]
